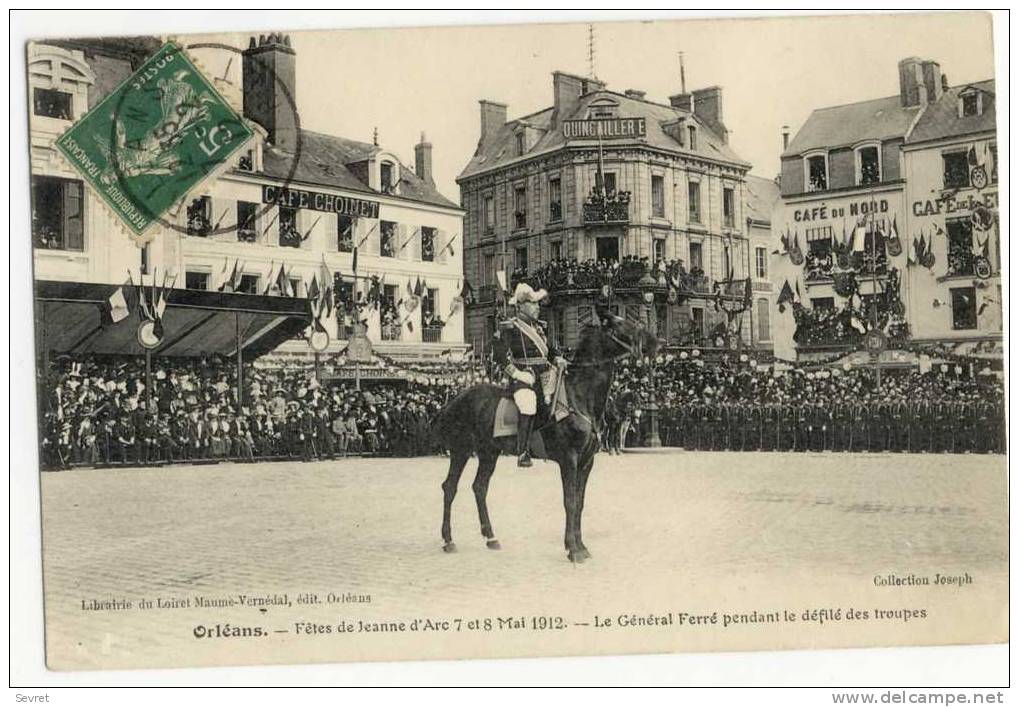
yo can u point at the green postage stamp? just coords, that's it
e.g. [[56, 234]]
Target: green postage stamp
[[147, 144]]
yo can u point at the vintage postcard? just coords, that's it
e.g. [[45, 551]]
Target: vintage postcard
[[518, 341]]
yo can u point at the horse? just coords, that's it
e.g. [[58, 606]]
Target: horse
[[465, 426]]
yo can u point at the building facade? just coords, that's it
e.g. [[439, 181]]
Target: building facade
[[882, 225], [285, 217], [609, 198]]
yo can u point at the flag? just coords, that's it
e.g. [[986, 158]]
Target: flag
[[228, 284], [326, 299], [353, 262], [798, 297], [858, 237], [283, 282], [418, 288], [857, 323], [269, 280], [467, 292], [118, 309], [786, 294], [975, 158], [912, 257], [161, 299], [313, 290], [500, 277]]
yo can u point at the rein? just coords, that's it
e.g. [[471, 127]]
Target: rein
[[627, 348]]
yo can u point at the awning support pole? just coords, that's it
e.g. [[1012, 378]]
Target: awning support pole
[[148, 381], [240, 360]]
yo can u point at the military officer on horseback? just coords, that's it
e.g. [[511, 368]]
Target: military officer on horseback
[[523, 352]]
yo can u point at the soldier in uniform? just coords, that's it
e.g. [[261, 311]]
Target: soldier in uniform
[[521, 349]]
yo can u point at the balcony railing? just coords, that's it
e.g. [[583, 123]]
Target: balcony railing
[[431, 335], [607, 209], [392, 332]]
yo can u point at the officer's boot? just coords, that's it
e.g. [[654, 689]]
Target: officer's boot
[[524, 423]]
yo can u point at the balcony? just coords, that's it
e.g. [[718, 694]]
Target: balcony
[[607, 209], [392, 332], [431, 334]]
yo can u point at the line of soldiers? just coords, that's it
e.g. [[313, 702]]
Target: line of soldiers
[[976, 426]]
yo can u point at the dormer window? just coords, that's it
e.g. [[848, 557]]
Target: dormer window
[[816, 172], [692, 132], [868, 165], [603, 108], [387, 178], [521, 143], [970, 104]]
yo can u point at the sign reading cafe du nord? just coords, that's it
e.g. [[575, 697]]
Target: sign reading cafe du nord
[[317, 201], [604, 128]]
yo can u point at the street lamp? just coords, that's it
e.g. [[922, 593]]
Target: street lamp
[[647, 285]]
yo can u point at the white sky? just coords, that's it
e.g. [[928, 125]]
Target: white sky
[[772, 72]]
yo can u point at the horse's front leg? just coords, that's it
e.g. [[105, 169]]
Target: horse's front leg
[[568, 474], [583, 471]]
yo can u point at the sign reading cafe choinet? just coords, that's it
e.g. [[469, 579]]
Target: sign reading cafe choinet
[[604, 128], [317, 201]]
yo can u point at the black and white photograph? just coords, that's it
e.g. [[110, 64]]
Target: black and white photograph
[[516, 340]]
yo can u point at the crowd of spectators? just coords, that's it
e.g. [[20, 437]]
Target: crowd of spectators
[[570, 273], [98, 412]]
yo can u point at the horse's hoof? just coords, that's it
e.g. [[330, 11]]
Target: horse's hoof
[[449, 547], [583, 553], [576, 557], [493, 545]]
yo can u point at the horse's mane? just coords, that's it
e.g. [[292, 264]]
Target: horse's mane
[[590, 344]]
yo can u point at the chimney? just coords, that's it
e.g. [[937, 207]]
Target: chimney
[[707, 106], [493, 117], [912, 90], [566, 92], [785, 137], [423, 160], [932, 80], [682, 101], [634, 93], [270, 83]]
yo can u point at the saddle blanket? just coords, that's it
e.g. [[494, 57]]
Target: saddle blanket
[[506, 416]]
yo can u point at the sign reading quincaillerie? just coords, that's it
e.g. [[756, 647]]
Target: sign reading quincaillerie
[[605, 128], [317, 201]]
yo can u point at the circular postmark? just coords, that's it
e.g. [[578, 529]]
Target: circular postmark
[[179, 118]]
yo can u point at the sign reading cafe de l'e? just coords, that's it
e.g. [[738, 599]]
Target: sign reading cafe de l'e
[[604, 128], [318, 201]]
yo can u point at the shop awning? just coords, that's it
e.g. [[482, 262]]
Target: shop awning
[[69, 319]]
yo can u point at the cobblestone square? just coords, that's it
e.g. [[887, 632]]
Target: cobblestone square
[[669, 531]]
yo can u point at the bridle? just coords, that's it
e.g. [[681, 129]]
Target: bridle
[[629, 349]]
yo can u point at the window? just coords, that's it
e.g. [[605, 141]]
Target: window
[[521, 143], [145, 255], [697, 258], [199, 215], [960, 246], [610, 183], [607, 249], [520, 259], [196, 280], [428, 305], [728, 207], [817, 173], [58, 210], [697, 321], [658, 195], [555, 250], [48, 103], [387, 239], [761, 255], [248, 284], [819, 241], [822, 303], [344, 234], [246, 212], [692, 131], [726, 262], [488, 214], [694, 199], [520, 206], [427, 244], [993, 148], [658, 250], [956, 170], [964, 308], [246, 162], [763, 320], [555, 200], [488, 271], [868, 165], [290, 237], [387, 184], [969, 104]]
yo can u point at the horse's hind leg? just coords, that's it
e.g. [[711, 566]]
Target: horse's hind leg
[[457, 460], [583, 471], [486, 467]]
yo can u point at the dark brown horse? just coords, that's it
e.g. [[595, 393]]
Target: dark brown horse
[[465, 426]]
